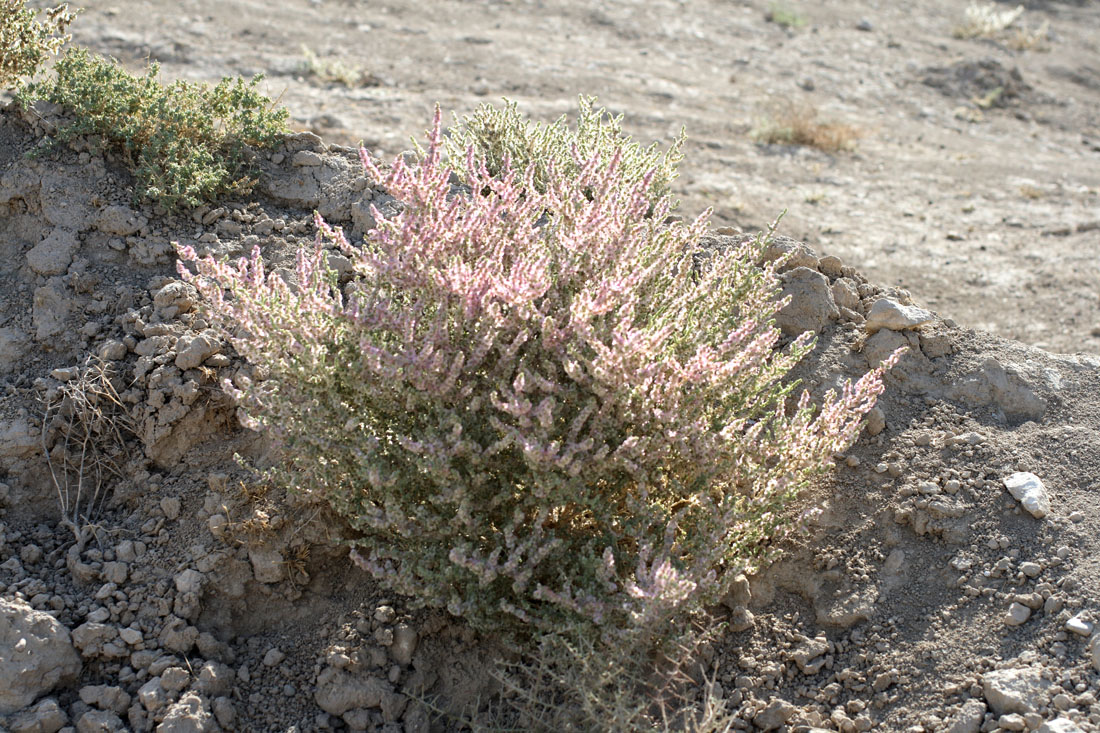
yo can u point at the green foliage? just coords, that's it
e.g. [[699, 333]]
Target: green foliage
[[25, 42], [499, 134], [785, 17], [186, 142]]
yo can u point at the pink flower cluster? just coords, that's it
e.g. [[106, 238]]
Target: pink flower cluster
[[532, 406]]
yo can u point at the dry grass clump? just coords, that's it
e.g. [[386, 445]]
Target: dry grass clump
[[792, 123], [84, 429]]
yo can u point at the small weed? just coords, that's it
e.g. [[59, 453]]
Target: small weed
[[84, 430], [334, 72], [1023, 39], [790, 123], [1031, 192], [785, 17], [25, 42], [815, 198], [186, 142], [990, 98], [986, 20]]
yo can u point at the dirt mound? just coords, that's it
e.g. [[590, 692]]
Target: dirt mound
[[925, 596]]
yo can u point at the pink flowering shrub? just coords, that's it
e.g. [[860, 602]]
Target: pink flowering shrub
[[531, 404]]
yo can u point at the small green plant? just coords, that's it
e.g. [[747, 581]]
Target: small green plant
[[333, 72], [25, 42], [785, 17], [186, 142], [502, 138], [986, 20], [790, 123]]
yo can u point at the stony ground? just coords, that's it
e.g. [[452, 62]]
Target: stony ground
[[925, 597]]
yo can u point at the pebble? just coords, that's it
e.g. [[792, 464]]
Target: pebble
[[1017, 614], [1060, 725], [1030, 569], [1078, 625], [890, 314], [273, 657], [1094, 652], [1028, 489]]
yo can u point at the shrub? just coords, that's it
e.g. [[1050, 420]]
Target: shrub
[[503, 139], [785, 17], [534, 405], [25, 42], [789, 123], [186, 142], [986, 20]]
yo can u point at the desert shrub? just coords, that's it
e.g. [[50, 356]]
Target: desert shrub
[[986, 20], [25, 42], [534, 406], [186, 142], [502, 138], [790, 123], [785, 17]]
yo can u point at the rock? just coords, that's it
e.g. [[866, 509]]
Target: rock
[[797, 253], [112, 350], [189, 581], [775, 715], [193, 349], [404, 644], [267, 565], [1031, 569], [876, 421], [38, 655], [1017, 614], [224, 712], [92, 639], [741, 620], [809, 650], [50, 309], [739, 594], [151, 695], [1028, 489], [45, 716], [1094, 652], [106, 697], [190, 715], [1015, 690], [1078, 625], [18, 439], [178, 636], [811, 305], [121, 221], [968, 719], [888, 313], [115, 572], [338, 691], [54, 254], [174, 298], [171, 506], [99, 721], [1060, 725], [1012, 721], [273, 657], [215, 680], [175, 679], [13, 347]]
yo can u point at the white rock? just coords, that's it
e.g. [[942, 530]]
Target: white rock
[[1028, 489], [36, 655], [968, 719], [267, 565], [1015, 690], [190, 715], [189, 581], [1060, 725], [1017, 614], [1094, 652], [888, 313], [1078, 625]]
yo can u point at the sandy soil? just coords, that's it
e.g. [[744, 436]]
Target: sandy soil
[[924, 598]]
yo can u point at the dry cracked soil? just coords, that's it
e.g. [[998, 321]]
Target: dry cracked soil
[[924, 597]]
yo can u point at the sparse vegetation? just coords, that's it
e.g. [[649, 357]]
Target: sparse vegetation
[[187, 143], [502, 137], [784, 17], [331, 71], [536, 408], [792, 123], [26, 42], [85, 426], [986, 20]]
